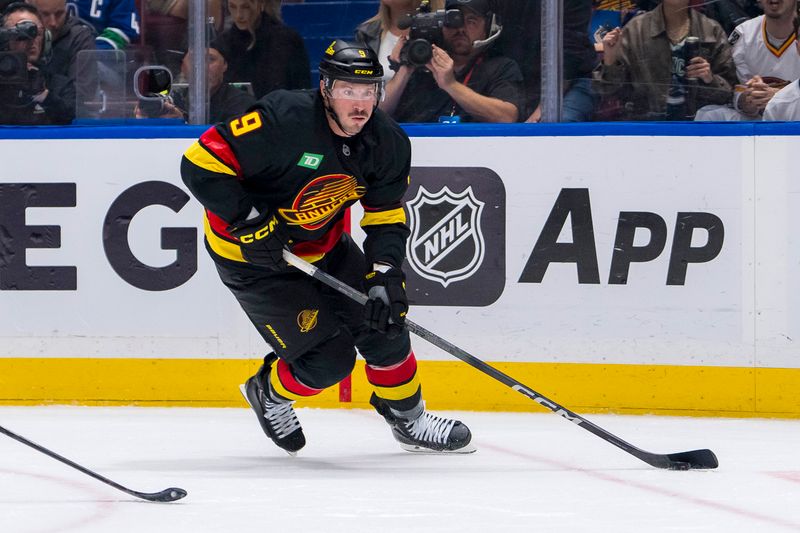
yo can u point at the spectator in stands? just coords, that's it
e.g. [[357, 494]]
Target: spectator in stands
[[70, 35], [29, 102], [765, 61], [521, 41], [225, 101], [731, 13], [381, 32], [262, 50], [785, 105], [461, 82], [644, 64], [165, 28], [116, 21]]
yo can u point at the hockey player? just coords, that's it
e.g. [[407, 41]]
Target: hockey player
[[282, 176]]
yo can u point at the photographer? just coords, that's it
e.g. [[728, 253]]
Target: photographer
[[225, 101], [71, 35], [460, 82], [24, 96]]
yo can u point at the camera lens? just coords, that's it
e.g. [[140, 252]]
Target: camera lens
[[419, 52]]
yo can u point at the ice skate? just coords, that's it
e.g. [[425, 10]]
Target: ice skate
[[276, 416], [419, 431]]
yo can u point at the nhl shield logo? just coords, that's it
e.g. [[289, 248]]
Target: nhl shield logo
[[446, 243]]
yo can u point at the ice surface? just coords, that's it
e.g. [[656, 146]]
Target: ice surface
[[532, 472]]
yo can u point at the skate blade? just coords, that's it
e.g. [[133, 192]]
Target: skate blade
[[469, 448], [244, 394]]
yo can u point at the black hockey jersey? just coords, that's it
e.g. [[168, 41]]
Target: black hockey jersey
[[283, 157]]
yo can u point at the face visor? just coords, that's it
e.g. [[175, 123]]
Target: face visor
[[357, 92]]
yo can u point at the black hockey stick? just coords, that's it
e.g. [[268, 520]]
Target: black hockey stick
[[672, 461], [166, 495]]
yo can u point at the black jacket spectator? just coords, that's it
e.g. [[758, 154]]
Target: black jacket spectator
[[424, 101], [224, 104], [61, 72], [277, 60], [521, 41]]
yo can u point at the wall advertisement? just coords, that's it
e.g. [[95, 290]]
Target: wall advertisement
[[629, 250]]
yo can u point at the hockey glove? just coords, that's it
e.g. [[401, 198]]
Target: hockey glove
[[262, 240], [386, 309]]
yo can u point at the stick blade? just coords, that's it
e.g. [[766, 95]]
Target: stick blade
[[167, 495], [693, 460]]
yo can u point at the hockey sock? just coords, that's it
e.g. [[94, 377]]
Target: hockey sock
[[397, 385], [285, 386]]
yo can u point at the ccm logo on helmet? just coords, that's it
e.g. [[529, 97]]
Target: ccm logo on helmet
[[361, 71]]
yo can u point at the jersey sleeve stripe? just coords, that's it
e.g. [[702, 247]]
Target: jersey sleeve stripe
[[200, 157], [220, 246], [214, 143], [375, 218]]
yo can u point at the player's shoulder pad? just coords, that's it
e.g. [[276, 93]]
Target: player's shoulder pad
[[284, 104]]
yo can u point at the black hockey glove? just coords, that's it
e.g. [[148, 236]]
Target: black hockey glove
[[386, 309], [262, 239]]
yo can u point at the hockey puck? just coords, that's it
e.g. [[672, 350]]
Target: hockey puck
[[680, 465]]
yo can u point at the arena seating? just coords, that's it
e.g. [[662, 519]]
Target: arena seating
[[320, 22]]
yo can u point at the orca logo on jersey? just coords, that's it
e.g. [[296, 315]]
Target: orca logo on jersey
[[319, 201]]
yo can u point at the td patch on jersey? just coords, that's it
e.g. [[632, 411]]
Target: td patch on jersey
[[456, 250]]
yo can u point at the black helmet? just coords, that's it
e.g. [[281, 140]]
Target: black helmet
[[350, 61]]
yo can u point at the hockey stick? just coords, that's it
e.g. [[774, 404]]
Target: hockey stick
[[673, 461], [166, 495]]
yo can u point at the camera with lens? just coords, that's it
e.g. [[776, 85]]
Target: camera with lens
[[152, 85], [426, 30], [14, 65]]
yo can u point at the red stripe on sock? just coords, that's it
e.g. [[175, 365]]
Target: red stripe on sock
[[291, 384], [393, 375]]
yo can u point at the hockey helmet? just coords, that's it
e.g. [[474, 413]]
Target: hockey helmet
[[350, 61]]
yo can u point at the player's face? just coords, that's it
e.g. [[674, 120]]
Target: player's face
[[778, 8], [244, 13], [32, 48], [459, 41], [353, 103]]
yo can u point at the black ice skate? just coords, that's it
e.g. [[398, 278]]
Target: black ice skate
[[276, 416], [421, 432]]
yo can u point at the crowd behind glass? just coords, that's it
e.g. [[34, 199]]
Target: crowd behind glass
[[446, 61]]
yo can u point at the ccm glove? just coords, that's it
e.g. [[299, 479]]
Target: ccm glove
[[262, 240], [386, 309]]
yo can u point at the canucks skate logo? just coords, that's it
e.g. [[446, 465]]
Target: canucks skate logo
[[321, 199], [446, 243]]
